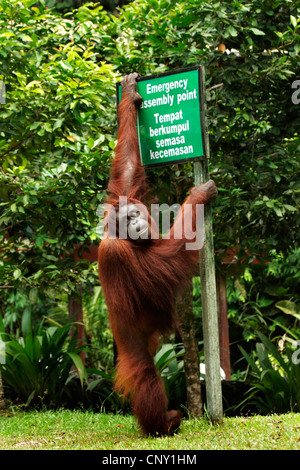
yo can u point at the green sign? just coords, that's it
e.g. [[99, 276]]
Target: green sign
[[170, 121]]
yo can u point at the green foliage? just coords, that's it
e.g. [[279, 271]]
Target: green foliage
[[100, 394], [37, 365], [278, 378], [35, 303], [169, 362], [289, 307], [56, 138], [260, 299], [253, 124]]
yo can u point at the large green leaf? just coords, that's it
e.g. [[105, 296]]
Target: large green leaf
[[79, 366], [289, 307], [269, 347]]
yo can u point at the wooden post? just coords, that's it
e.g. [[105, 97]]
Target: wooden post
[[209, 298]]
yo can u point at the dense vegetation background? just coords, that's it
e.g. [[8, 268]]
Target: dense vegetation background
[[58, 132]]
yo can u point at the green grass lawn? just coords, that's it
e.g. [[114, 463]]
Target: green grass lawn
[[70, 430]]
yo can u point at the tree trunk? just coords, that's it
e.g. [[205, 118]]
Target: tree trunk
[[2, 401], [76, 315], [223, 325], [186, 328]]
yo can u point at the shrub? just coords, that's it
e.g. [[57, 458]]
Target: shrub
[[277, 379], [37, 366]]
